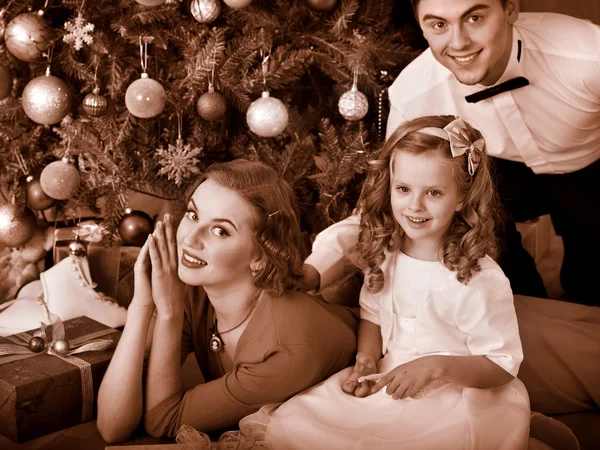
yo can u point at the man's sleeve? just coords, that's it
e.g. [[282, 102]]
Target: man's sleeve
[[331, 248]]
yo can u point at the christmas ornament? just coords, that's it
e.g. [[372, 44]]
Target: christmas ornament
[[60, 179], [135, 226], [179, 161], [36, 344], [61, 347], [236, 4], [95, 104], [47, 99], [205, 11], [353, 104], [16, 225], [28, 35], [321, 5], [77, 248], [267, 116], [6, 82], [145, 98], [211, 105], [78, 32], [151, 2], [37, 199]]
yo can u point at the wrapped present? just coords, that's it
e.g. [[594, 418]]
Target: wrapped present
[[111, 267], [49, 378], [536, 235]]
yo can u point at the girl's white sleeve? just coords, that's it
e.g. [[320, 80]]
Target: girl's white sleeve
[[485, 312], [370, 305]]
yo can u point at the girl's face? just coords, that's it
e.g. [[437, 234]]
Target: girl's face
[[214, 238], [424, 198]]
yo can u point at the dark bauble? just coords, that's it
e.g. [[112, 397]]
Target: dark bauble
[[321, 5], [17, 225], [36, 344], [37, 199], [134, 228], [211, 106]]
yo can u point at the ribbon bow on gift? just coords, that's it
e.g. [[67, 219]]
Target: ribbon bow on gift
[[456, 133]]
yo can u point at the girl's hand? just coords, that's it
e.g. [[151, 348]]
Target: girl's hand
[[167, 288], [365, 365], [411, 379], [142, 293]]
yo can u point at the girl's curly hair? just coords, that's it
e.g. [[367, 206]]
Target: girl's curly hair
[[470, 236], [276, 220]]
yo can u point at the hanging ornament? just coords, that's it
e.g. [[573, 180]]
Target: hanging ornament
[[79, 32], [267, 116], [321, 5], [178, 162], [237, 4], [145, 98], [134, 227], [95, 104], [47, 99], [205, 11], [77, 248], [6, 81], [211, 105], [60, 179], [151, 2], [16, 225], [353, 104], [37, 199], [28, 35]]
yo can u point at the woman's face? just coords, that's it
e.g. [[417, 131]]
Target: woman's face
[[214, 238]]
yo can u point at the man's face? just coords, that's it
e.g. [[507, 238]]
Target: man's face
[[471, 38]]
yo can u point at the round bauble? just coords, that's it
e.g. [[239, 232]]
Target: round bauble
[[36, 344], [205, 11], [77, 249], [37, 199], [236, 4], [95, 104], [28, 35], [6, 82], [321, 5], [145, 98], [61, 347], [135, 226], [47, 99], [60, 179], [17, 225], [353, 105], [267, 116], [211, 106], [151, 2]]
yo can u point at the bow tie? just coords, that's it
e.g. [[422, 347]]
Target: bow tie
[[508, 85]]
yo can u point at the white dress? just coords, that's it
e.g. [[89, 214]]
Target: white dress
[[449, 416]]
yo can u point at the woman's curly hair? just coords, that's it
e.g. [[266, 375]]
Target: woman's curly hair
[[276, 220], [470, 236]]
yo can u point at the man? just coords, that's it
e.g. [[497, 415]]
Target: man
[[544, 135]]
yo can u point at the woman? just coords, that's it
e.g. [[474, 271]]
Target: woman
[[256, 339]]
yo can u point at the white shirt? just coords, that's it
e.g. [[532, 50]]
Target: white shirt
[[552, 125], [451, 318]]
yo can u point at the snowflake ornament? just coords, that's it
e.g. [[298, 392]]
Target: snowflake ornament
[[178, 162], [79, 32]]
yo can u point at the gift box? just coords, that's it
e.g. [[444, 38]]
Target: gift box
[[536, 235], [44, 392], [111, 267]]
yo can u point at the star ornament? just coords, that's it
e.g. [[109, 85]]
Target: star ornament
[[79, 32], [178, 162]]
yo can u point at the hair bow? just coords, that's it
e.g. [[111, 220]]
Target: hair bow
[[455, 133]]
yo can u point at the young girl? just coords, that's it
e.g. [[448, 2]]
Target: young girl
[[257, 340], [438, 345]]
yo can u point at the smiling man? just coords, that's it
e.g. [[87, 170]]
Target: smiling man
[[531, 83]]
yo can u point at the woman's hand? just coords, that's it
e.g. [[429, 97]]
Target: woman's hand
[[411, 379], [167, 288], [365, 365], [142, 292]]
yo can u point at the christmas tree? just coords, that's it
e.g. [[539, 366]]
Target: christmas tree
[[99, 99]]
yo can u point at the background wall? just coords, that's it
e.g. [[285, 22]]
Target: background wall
[[585, 9]]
